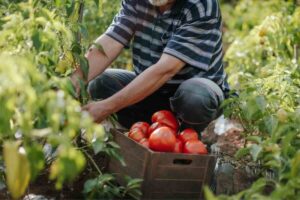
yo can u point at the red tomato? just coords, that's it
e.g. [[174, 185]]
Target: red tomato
[[162, 139], [167, 118], [136, 134], [154, 126], [157, 125], [194, 147], [187, 135], [141, 125], [145, 142], [178, 146]]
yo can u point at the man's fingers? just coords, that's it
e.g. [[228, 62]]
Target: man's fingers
[[99, 120], [88, 109], [93, 109]]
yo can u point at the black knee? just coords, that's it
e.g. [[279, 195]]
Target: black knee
[[196, 101], [102, 87]]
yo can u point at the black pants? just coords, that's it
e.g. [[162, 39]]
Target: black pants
[[196, 101]]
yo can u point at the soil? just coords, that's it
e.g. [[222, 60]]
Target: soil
[[46, 188]]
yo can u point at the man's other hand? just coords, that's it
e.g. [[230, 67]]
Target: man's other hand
[[99, 110]]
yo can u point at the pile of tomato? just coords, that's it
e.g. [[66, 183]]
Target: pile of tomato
[[163, 135]]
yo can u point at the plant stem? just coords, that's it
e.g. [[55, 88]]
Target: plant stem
[[80, 18], [296, 52], [93, 162]]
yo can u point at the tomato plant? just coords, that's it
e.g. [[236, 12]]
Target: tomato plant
[[263, 64], [41, 43]]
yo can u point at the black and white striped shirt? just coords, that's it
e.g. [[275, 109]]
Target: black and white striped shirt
[[190, 31]]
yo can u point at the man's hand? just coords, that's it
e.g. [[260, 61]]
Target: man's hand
[[99, 110]]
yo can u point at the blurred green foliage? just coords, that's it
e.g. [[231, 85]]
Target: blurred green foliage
[[263, 64], [39, 47], [240, 16], [98, 15]]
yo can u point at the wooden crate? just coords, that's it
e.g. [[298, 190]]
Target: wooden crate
[[165, 175]]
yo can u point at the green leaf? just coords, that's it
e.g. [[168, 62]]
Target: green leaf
[[84, 66], [97, 2], [115, 154], [253, 138], [106, 178], [273, 164], [208, 194], [17, 168], [113, 144], [261, 102], [70, 88], [271, 124], [90, 185], [83, 30], [134, 182], [99, 47], [98, 146], [68, 158], [36, 159], [258, 185], [36, 40], [83, 92], [70, 8], [242, 152], [255, 151], [295, 164], [76, 48], [58, 3]]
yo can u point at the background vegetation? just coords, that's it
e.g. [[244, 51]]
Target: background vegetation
[[40, 42], [263, 65]]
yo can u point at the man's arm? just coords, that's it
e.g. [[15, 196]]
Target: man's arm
[[142, 86], [98, 60], [117, 36]]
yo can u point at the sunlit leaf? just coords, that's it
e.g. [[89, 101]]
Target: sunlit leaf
[[208, 194], [17, 168], [255, 151], [98, 146], [271, 124], [295, 171], [68, 158], [242, 152]]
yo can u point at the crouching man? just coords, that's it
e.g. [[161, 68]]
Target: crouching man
[[177, 57]]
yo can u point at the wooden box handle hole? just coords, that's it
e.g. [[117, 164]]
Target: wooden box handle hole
[[182, 162]]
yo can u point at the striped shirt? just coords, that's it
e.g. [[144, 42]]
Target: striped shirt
[[190, 31]]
